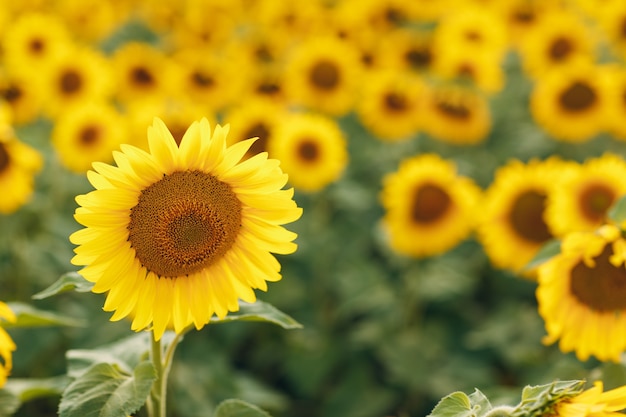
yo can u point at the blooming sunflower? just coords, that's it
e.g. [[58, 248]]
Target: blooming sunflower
[[391, 104], [18, 165], [182, 232], [87, 133], [593, 403], [571, 103], [311, 149], [456, 114], [429, 207], [558, 39], [512, 226], [7, 346], [586, 193], [323, 75], [581, 294], [22, 96]]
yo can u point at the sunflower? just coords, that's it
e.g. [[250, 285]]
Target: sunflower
[[615, 76], [22, 96], [7, 346], [592, 403], [612, 20], [456, 114], [512, 226], [87, 133], [586, 193], [75, 76], [311, 149], [32, 40], [407, 49], [254, 119], [571, 103], [181, 233], [429, 207], [558, 39], [323, 75], [18, 165], [89, 20], [581, 295], [391, 104], [142, 72]]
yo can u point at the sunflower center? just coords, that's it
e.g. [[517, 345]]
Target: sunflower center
[[395, 102], [89, 135], [524, 16], [37, 45], [602, 287], [308, 150], [577, 97], [455, 111], [70, 81], [560, 49], [430, 203], [325, 75], [4, 158], [202, 80], [595, 200], [526, 217], [141, 76], [262, 132], [12, 93], [418, 58], [268, 88], [473, 36], [183, 223]]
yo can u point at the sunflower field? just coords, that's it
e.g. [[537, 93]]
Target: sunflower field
[[323, 208]]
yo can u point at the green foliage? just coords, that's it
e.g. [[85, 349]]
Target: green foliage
[[72, 281], [547, 251], [458, 404], [29, 316], [261, 312], [617, 212], [238, 408]]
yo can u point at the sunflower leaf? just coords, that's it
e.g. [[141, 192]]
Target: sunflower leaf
[[9, 403], [547, 251], [106, 391], [29, 316], [457, 404], [72, 281], [238, 408], [260, 311], [27, 389], [617, 212]]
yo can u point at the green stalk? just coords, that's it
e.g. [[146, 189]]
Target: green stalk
[[157, 403]]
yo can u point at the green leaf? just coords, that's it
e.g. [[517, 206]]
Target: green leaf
[[106, 391], [457, 404], [29, 316], [72, 281], [480, 402], [540, 400], [27, 389], [547, 251], [9, 403], [238, 408], [260, 311], [617, 212]]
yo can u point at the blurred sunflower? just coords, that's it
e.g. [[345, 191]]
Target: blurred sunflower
[[323, 75], [289, 20], [18, 165], [90, 20], [455, 114], [380, 16], [520, 17], [571, 103], [86, 133], [558, 39], [585, 194], [179, 234], [7, 346], [581, 295], [407, 49], [22, 96], [311, 149], [254, 119], [615, 77], [32, 40], [612, 20], [390, 105], [142, 72], [429, 208], [73, 77], [512, 226]]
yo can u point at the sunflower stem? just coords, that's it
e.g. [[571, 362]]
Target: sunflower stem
[[157, 394]]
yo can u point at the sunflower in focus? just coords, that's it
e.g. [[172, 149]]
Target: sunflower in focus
[[512, 226], [87, 133], [391, 104], [7, 346], [558, 39], [429, 207], [323, 75], [571, 103], [586, 193], [456, 115], [180, 233], [311, 149], [18, 165], [581, 295]]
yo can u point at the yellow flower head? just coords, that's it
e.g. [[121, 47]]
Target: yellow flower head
[[183, 232]]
